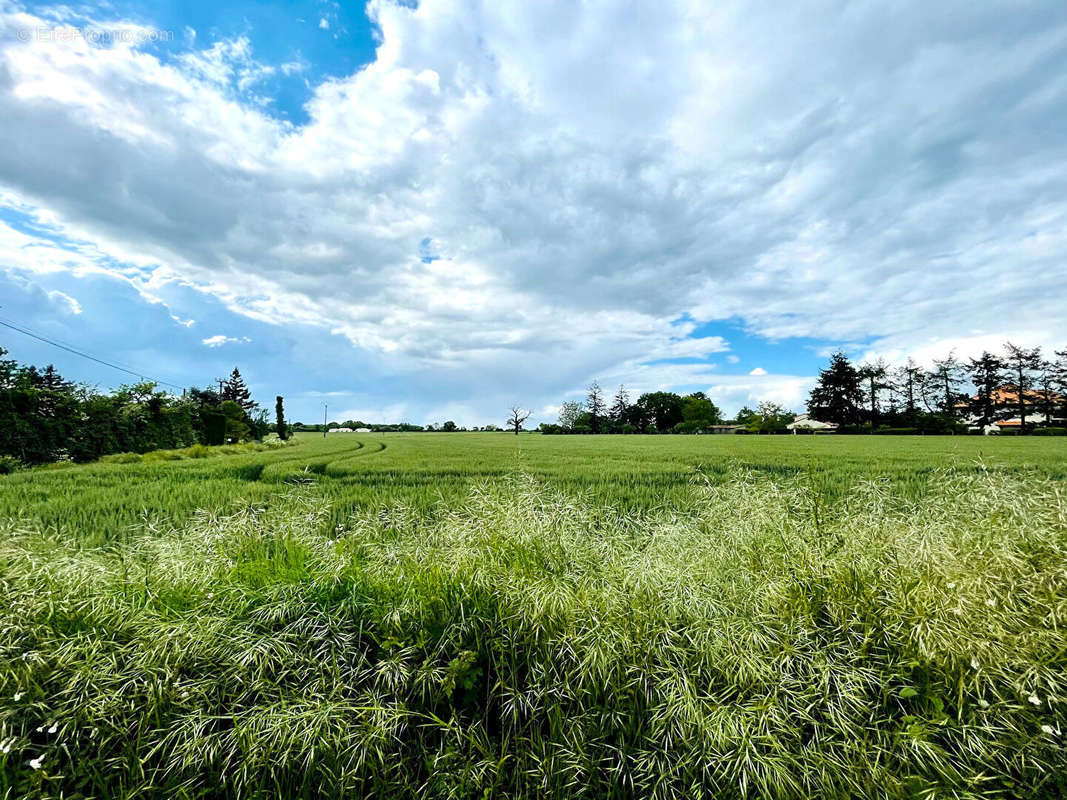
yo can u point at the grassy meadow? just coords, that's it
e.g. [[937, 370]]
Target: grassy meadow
[[484, 615]]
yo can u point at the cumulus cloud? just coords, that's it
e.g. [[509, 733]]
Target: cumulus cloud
[[758, 371], [586, 175]]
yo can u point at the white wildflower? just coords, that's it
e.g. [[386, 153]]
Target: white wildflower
[[18, 696], [952, 584], [1050, 730], [1034, 699], [991, 602], [974, 663], [54, 728], [6, 745], [35, 763]]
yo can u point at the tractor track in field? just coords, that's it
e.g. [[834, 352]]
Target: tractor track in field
[[288, 468]]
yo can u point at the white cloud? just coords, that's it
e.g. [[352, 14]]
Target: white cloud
[[758, 371], [65, 301], [324, 24], [220, 339], [588, 174]]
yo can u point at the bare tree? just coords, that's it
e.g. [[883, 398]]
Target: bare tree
[[518, 416]]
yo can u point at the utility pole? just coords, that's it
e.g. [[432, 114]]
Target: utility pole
[[325, 408]]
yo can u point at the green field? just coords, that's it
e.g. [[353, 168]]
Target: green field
[[99, 502], [485, 615]]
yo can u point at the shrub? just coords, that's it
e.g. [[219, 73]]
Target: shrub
[[1049, 432], [163, 455], [121, 458], [9, 465], [198, 451]]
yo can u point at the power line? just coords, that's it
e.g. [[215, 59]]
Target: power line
[[69, 349]]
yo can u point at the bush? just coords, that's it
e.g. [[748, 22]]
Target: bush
[[163, 455], [1049, 432], [9, 465], [897, 431], [121, 458], [198, 451]]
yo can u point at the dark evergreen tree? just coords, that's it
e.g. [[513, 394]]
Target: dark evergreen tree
[[1046, 390], [874, 376], [987, 374], [619, 406], [906, 385], [947, 377], [1022, 363], [235, 389], [837, 395], [279, 417], [594, 403]]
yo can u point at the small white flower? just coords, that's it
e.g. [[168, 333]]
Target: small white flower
[[952, 584], [991, 602], [35, 763], [210, 595], [18, 696], [54, 728], [974, 663], [40, 728], [185, 694], [5, 746], [1034, 699]]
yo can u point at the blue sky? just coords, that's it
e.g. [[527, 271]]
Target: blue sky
[[434, 211]]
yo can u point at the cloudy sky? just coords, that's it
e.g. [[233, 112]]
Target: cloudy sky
[[432, 211]]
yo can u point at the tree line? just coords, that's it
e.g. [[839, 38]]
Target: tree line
[[652, 412], [45, 417], [1018, 385]]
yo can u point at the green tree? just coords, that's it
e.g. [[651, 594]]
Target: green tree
[[1022, 363], [987, 374], [279, 418], [237, 429], [698, 408], [661, 410], [569, 411], [594, 402], [619, 406], [875, 377], [235, 389], [947, 377], [837, 394]]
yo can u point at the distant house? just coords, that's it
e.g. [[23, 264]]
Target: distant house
[[363, 430], [725, 428], [340, 430], [1006, 406], [805, 422]]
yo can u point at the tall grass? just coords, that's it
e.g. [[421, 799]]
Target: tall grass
[[526, 641]]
